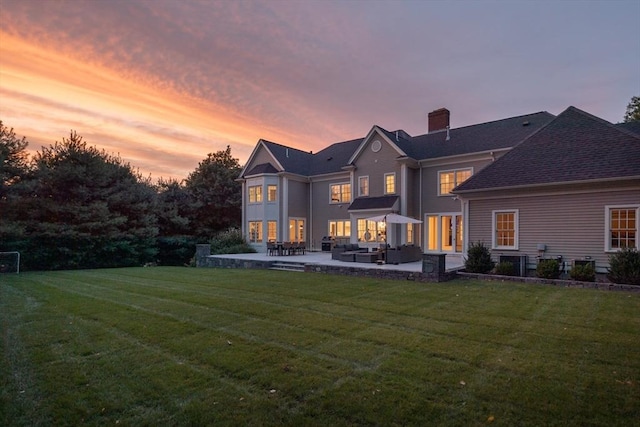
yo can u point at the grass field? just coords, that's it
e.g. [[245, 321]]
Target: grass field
[[180, 346]]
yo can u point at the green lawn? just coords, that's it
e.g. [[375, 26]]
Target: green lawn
[[180, 346]]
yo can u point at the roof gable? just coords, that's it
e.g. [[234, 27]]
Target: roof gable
[[260, 148], [290, 159], [375, 132], [575, 146]]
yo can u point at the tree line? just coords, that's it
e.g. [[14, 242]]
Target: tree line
[[74, 206]]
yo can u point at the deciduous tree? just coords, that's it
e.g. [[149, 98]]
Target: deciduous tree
[[633, 110], [216, 193]]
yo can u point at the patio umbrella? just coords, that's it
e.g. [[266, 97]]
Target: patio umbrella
[[392, 218]]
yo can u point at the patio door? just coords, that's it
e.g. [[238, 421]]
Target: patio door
[[444, 233], [296, 230]]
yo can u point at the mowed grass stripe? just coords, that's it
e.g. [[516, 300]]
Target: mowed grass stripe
[[336, 350], [400, 338], [397, 339]]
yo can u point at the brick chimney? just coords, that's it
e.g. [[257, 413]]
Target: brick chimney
[[439, 119]]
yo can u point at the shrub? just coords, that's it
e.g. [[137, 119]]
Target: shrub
[[583, 273], [478, 259], [175, 250], [624, 267], [230, 241], [548, 269], [505, 268]]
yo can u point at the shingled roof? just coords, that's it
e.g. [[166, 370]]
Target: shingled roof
[[574, 147], [495, 135], [506, 133], [292, 160]]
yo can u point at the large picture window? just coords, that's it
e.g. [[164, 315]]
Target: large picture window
[[340, 193], [340, 228], [505, 229], [448, 180], [622, 227], [255, 194]]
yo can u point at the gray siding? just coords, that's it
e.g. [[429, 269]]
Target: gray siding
[[260, 157], [298, 199], [571, 225], [431, 201], [323, 210], [375, 165]]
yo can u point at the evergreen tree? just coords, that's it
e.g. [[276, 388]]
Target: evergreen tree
[[174, 208], [85, 209], [13, 158]]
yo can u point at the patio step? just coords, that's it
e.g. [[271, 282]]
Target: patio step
[[287, 266]]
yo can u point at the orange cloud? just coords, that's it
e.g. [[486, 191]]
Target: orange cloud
[[46, 93]]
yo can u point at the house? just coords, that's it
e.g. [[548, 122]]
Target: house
[[299, 196], [570, 191]]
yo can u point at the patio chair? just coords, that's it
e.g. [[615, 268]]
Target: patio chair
[[272, 248]]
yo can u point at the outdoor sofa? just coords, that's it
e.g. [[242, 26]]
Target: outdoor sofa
[[337, 250], [403, 254]]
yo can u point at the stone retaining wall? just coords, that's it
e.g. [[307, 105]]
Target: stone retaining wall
[[606, 286], [377, 273]]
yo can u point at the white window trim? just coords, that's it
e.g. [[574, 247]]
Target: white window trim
[[331, 201], [395, 183], [607, 228], [255, 202], [360, 194], [266, 198], [516, 226], [344, 221], [454, 178]]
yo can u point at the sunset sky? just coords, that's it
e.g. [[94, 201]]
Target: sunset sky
[[164, 82]]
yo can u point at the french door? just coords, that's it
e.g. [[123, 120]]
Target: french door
[[444, 233]]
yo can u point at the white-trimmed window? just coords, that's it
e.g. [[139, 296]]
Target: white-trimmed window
[[272, 231], [390, 183], [505, 229], [371, 231], [255, 231], [448, 180], [363, 186], [272, 193], [340, 228], [255, 194], [622, 227], [340, 193]]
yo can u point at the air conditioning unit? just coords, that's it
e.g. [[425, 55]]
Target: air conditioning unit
[[519, 263], [591, 262]]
